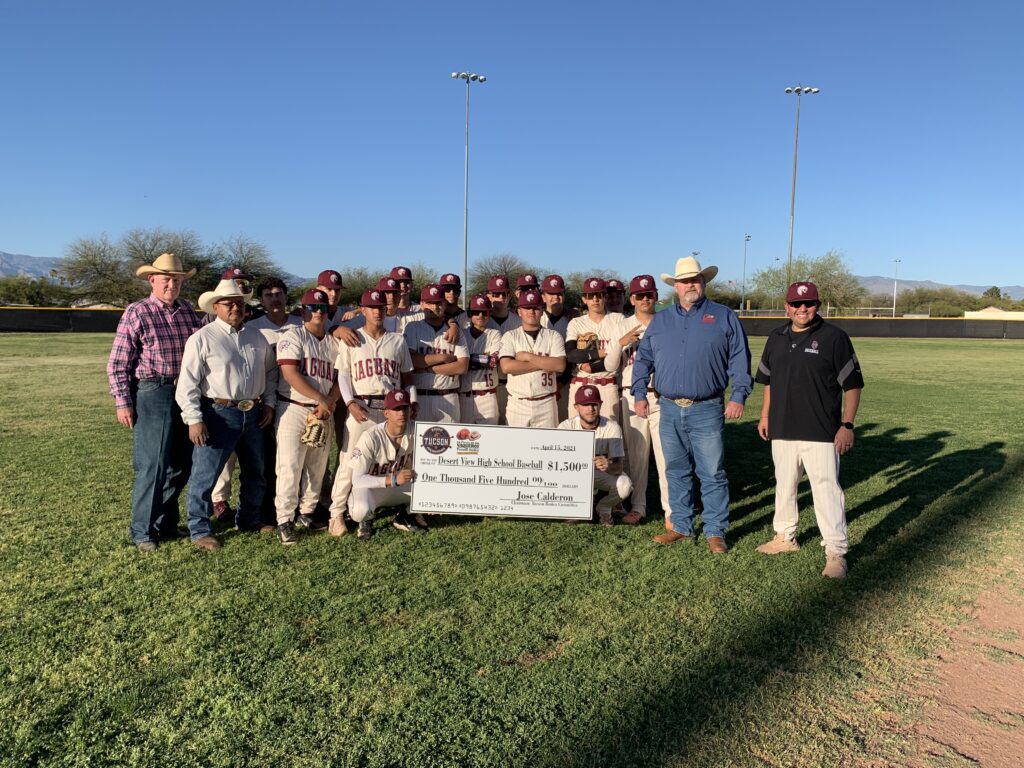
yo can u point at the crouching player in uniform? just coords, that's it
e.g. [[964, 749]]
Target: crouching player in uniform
[[609, 469], [380, 364], [307, 391], [381, 465]]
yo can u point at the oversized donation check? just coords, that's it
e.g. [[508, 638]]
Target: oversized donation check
[[475, 469]]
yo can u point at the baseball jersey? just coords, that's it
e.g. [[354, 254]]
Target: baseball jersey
[[511, 322], [376, 456], [273, 333], [376, 365], [561, 324], [313, 356], [424, 339], [606, 330], [607, 436], [483, 374], [627, 324], [535, 383]]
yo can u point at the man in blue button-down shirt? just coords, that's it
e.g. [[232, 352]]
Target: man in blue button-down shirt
[[693, 349]]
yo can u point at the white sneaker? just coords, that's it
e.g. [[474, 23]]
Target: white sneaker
[[835, 567], [778, 545]]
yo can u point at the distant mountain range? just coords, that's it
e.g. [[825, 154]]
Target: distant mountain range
[[14, 264]]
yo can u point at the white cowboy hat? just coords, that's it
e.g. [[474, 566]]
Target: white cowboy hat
[[165, 264], [689, 267], [226, 289]]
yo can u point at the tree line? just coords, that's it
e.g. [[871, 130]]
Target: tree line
[[101, 271]]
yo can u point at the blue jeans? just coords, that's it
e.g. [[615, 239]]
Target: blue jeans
[[230, 430], [161, 459], [691, 438]]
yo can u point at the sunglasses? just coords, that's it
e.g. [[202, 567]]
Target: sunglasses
[[593, 296], [475, 312], [799, 304], [648, 296], [316, 307]]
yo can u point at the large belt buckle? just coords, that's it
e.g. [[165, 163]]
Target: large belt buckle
[[683, 402], [246, 405]]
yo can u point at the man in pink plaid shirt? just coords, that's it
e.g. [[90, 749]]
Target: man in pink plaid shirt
[[143, 370]]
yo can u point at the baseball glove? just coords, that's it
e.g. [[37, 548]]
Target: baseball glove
[[586, 340], [315, 435]]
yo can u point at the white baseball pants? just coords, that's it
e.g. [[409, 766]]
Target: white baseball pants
[[640, 435], [479, 409], [300, 469], [521, 412], [365, 501], [821, 463]]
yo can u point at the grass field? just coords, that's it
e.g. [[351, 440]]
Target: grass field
[[497, 643]]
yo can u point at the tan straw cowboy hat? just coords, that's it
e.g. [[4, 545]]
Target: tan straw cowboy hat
[[165, 264], [689, 267], [226, 289]]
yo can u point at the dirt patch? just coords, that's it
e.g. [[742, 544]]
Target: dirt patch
[[976, 689]]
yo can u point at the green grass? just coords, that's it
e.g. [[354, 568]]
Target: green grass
[[493, 642]]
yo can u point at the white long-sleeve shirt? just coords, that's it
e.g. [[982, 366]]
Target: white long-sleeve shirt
[[222, 362]]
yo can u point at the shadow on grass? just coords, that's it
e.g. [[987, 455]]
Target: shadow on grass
[[933, 497]]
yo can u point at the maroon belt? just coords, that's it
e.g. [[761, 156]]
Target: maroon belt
[[538, 397], [478, 392], [592, 382], [436, 391]]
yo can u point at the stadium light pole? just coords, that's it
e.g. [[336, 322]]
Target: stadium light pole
[[743, 285], [799, 90], [469, 77], [895, 282]]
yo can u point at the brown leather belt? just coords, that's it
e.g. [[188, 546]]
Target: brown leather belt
[[592, 382], [296, 402], [436, 391], [478, 392]]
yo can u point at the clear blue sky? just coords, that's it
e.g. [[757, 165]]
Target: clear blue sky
[[613, 135]]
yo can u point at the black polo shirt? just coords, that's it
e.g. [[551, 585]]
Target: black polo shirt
[[807, 373]]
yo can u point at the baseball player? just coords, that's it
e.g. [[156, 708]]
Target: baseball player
[[502, 318], [557, 317], [532, 357], [275, 320], [404, 277], [379, 364], [615, 296], [593, 350], [524, 283], [226, 392], [437, 362], [480, 384], [307, 394], [640, 433], [608, 451], [382, 473], [451, 285]]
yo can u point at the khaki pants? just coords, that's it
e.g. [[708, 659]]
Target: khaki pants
[[821, 462]]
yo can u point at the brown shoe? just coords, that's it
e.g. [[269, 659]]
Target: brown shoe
[[206, 542], [671, 537], [633, 518], [717, 545]]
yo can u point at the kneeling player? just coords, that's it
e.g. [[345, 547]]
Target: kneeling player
[[608, 452], [380, 463]]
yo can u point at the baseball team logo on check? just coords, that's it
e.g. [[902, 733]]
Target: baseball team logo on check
[[436, 440]]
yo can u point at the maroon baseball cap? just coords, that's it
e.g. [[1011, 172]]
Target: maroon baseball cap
[[395, 399], [450, 279], [479, 303], [497, 284], [553, 284], [587, 395], [614, 285], [330, 278], [529, 299], [234, 273], [401, 273], [803, 291], [314, 296], [594, 285], [526, 281], [432, 293], [642, 284], [388, 285], [372, 298]]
